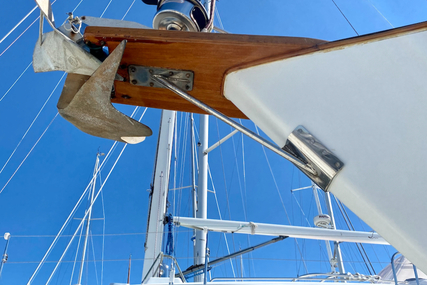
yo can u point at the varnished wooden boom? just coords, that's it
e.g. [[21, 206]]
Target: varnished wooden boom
[[208, 55]]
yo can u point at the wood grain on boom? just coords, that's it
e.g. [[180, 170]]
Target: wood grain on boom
[[208, 55]]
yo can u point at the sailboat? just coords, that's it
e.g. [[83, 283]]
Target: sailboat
[[128, 172]]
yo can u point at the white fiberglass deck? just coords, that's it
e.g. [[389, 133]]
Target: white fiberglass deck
[[367, 103]]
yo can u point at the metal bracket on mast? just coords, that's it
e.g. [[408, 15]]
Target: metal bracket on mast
[[302, 148]]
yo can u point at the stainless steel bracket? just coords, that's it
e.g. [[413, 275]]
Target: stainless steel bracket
[[141, 76], [302, 149], [309, 150]]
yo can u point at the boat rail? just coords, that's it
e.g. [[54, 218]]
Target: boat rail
[[394, 270], [312, 277]]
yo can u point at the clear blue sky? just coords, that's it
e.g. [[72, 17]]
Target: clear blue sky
[[45, 188]]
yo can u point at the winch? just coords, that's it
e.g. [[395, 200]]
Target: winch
[[180, 15]]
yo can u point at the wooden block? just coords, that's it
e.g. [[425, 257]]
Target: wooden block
[[208, 55]]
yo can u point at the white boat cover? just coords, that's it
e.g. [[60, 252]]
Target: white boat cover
[[367, 103]]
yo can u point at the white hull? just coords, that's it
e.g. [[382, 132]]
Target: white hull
[[367, 103]]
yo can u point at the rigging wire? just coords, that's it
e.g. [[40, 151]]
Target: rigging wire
[[14, 83], [103, 230], [217, 204], [25, 158], [94, 258], [281, 199], [128, 9], [227, 193], [220, 217], [19, 23], [68, 219], [379, 12], [87, 212], [77, 253], [32, 123], [19, 36], [340, 205], [345, 17], [359, 245], [112, 148]]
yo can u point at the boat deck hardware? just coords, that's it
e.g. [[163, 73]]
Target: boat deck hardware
[[308, 154], [308, 149], [184, 15], [141, 76]]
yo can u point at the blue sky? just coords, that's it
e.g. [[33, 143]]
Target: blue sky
[[39, 194]]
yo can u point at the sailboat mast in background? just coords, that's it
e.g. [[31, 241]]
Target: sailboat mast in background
[[159, 191]]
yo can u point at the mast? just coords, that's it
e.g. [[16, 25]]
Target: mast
[[336, 256], [328, 245], [159, 191], [202, 190], [193, 184], [337, 249], [89, 217]]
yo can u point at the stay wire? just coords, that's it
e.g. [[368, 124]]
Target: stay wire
[[345, 17], [14, 41], [220, 217], [94, 258], [87, 212], [379, 12], [19, 23], [58, 235], [28, 154], [32, 123], [16, 81], [361, 245], [348, 226], [281, 199], [226, 189]]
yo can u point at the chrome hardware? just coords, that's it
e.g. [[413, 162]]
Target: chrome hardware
[[182, 15], [302, 149], [309, 150], [141, 76]]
